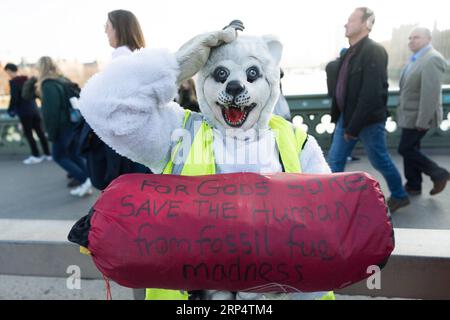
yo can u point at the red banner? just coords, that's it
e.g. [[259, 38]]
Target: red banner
[[241, 232]]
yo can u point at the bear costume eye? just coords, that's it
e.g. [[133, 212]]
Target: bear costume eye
[[252, 74], [221, 74]]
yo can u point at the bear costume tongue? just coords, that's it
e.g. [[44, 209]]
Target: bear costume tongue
[[234, 115]]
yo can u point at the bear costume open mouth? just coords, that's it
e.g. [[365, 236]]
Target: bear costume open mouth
[[235, 116]]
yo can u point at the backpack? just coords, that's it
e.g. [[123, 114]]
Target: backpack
[[29, 89], [72, 89], [72, 93]]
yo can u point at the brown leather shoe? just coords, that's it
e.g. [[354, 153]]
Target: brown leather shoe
[[439, 186], [394, 204], [411, 191]]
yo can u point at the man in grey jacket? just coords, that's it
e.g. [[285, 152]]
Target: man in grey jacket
[[420, 109]]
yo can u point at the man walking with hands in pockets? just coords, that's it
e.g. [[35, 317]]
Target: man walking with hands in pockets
[[420, 109]]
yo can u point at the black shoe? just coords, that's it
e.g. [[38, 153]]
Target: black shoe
[[439, 185], [394, 204], [411, 191], [73, 183]]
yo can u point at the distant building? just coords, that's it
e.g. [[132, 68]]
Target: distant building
[[441, 41], [398, 50]]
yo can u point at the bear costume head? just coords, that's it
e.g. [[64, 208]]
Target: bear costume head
[[239, 84]]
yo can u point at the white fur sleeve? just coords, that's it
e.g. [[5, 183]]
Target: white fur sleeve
[[312, 159], [129, 106]]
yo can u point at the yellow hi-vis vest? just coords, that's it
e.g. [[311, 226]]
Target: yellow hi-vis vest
[[200, 161], [200, 158]]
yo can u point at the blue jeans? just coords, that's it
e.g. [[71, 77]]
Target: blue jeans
[[68, 157], [373, 137]]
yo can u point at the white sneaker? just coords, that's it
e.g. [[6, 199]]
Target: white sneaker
[[83, 189], [32, 160], [75, 191], [48, 158]]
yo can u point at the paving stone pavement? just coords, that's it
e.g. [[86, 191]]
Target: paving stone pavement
[[40, 288]]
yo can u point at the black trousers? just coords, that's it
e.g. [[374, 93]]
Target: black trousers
[[30, 123], [415, 162]]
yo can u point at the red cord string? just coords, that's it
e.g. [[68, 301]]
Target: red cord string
[[108, 288]]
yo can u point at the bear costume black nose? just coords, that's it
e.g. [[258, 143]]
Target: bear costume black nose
[[234, 88]]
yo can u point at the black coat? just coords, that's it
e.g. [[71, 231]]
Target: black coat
[[367, 88], [103, 163], [332, 69]]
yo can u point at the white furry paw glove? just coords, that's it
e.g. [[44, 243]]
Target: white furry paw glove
[[192, 56]]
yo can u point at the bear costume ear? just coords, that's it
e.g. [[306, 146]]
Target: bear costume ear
[[275, 47]]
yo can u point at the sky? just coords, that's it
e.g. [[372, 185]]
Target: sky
[[312, 32]]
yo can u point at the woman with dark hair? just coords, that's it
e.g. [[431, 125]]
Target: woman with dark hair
[[104, 164], [124, 32]]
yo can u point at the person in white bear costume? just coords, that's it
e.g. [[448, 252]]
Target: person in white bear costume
[[130, 106]]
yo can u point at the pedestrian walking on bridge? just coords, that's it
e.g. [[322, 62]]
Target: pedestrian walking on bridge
[[419, 110], [359, 106]]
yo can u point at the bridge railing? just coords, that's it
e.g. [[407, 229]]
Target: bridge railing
[[313, 113], [12, 140], [310, 111]]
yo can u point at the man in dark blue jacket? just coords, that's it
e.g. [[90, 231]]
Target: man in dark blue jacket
[[28, 113], [359, 106]]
